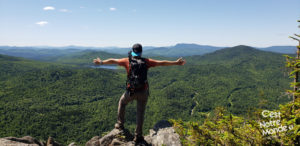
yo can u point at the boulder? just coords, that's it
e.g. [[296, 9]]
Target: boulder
[[162, 134], [24, 141], [94, 141], [51, 142], [114, 137]]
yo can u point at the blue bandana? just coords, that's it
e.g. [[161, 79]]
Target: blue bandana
[[136, 54]]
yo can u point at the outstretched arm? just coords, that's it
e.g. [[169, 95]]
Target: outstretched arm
[[179, 61], [107, 61]]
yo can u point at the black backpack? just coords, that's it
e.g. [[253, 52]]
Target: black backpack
[[137, 76]]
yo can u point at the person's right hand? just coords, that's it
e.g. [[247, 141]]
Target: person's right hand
[[97, 61]]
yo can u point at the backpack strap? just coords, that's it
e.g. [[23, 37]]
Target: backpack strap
[[130, 90]]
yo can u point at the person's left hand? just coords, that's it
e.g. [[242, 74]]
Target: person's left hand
[[97, 61], [180, 61]]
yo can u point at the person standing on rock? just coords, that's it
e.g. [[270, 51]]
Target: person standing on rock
[[137, 84]]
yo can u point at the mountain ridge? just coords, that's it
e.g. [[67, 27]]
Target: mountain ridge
[[178, 50]]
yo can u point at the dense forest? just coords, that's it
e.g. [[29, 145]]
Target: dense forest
[[70, 101], [257, 127]]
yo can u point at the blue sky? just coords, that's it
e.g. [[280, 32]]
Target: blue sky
[[100, 23]]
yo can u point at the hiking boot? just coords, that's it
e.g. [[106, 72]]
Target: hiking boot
[[138, 139], [119, 126]]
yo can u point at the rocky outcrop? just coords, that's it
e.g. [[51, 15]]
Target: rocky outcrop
[[162, 134], [114, 137], [26, 141]]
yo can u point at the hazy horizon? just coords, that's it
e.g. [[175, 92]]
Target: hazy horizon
[[113, 47]]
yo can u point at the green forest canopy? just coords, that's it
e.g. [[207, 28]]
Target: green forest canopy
[[72, 102]]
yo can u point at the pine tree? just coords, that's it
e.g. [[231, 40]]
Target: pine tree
[[294, 64]]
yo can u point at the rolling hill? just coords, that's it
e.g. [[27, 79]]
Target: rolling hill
[[74, 103], [178, 50], [281, 49], [35, 53], [85, 58], [238, 78], [65, 101]]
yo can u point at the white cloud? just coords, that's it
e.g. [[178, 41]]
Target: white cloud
[[82, 7], [64, 10], [49, 8], [112, 9], [42, 23]]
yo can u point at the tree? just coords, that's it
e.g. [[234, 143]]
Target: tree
[[294, 64]]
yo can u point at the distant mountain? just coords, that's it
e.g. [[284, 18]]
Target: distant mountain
[[10, 66], [45, 53], [9, 58], [194, 49], [181, 50], [281, 49], [49, 53], [235, 55], [86, 57], [193, 46], [37, 53], [123, 51]]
